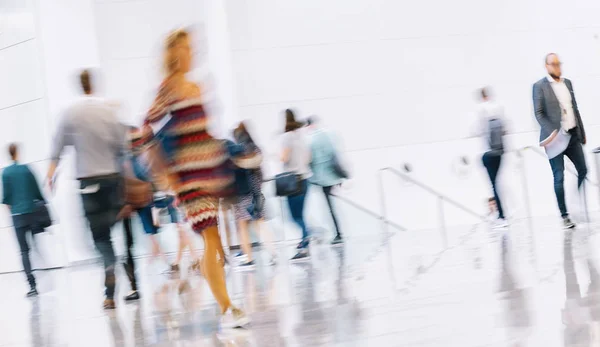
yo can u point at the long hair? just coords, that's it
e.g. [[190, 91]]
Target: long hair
[[170, 58], [290, 121]]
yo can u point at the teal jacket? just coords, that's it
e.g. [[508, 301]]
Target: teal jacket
[[20, 189], [323, 153]]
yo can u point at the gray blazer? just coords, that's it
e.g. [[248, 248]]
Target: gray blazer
[[548, 111]]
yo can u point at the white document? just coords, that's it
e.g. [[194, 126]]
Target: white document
[[91, 189], [558, 144], [156, 126]]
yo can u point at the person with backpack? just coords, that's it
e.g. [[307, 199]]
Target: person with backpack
[[326, 169], [493, 129]]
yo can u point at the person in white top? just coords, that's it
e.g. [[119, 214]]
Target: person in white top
[[296, 158], [557, 113], [492, 127]]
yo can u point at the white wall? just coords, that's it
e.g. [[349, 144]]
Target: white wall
[[24, 120], [396, 80]]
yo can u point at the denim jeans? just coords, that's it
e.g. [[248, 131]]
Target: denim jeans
[[129, 263], [327, 192], [574, 152], [492, 164], [296, 204], [24, 224], [101, 209]]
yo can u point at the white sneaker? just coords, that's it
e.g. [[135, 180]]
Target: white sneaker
[[234, 318]]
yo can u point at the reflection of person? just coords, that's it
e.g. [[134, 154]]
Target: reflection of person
[[21, 192], [493, 128], [323, 153], [556, 111], [195, 163], [296, 159], [91, 126], [575, 315]]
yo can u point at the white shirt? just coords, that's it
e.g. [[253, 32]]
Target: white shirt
[[299, 157], [565, 100]]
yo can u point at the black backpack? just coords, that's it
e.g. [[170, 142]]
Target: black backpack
[[496, 135]]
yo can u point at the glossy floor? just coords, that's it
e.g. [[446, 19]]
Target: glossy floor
[[532, 284]]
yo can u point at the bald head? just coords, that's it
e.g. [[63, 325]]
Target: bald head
[[553, 66]]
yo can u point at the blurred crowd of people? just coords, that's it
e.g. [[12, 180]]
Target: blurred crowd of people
[[171, 165]]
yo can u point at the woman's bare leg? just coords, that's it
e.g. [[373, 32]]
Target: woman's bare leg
[[245, 238], [213, 270]]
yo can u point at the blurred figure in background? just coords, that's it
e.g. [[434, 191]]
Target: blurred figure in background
[[296, 159], [150, 221], [195, 163], [250, 204], [558, 115], [492, 128], [323, 154], [92, 127], [21, 194]]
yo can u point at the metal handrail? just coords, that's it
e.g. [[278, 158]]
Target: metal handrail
[[541, 153], [368, 211], [434, 192]]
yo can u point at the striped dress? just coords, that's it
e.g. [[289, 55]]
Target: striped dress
[[199, 164]]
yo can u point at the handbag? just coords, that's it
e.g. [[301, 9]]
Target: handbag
[[138, 193], [41, 216], [287, 183]]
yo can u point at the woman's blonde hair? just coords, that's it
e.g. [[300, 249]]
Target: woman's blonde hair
[[171, 60]]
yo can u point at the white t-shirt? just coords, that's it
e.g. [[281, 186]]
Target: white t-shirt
[[299, 157]]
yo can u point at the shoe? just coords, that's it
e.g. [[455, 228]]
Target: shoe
[[303, 244], [32, 293], [300, 256], [567, 223], [234, 318], [174, 268], [338, 239], [241, 256], [132, 296], [109, 304], [249, 265]]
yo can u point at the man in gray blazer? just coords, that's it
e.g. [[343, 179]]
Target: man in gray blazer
[[556, 111]]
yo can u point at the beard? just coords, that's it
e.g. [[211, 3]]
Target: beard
[[555, 76]]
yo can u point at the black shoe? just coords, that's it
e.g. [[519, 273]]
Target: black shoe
[[174, 268], [338, 239], [249, 265], [32, 293], [303, 244], [567, 223], [134, 295], [300, 256]]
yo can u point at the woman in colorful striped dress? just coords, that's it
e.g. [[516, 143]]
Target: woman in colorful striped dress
[[196, 165]]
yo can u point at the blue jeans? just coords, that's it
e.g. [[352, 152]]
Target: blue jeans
[[296, 203], [575, 153], [492, 164]]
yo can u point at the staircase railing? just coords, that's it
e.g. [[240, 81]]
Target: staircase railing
[[441, 201]]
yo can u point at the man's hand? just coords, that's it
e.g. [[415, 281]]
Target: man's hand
[[549, 138]]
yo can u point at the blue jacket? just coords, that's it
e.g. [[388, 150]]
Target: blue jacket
[[20, 188], [323, 153]]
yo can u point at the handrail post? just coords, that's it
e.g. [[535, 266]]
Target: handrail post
[[443, 230], [382, 197]]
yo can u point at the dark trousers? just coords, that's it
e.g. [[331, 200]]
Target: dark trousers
[[296, 204], [24, 225], [101, 210], [492, 162], [574, 152], [327, 192], [129, 263]]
